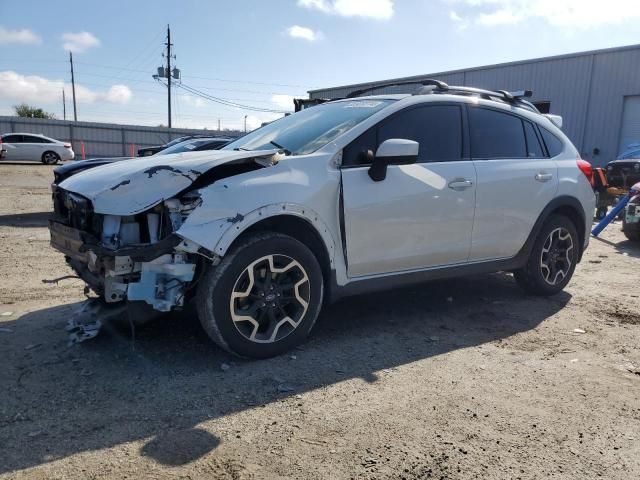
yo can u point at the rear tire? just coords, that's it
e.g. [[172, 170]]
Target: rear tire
[[263, 298], [553, 258], [50, 158]]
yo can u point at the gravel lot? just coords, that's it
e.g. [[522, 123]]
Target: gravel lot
[[458, 379]]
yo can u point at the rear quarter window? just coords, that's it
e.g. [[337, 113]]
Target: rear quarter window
[[553, 143]]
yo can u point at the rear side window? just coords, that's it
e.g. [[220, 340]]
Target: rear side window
[[496, 135], [553, 143], [437, 128], [30, 139], [534, 147]]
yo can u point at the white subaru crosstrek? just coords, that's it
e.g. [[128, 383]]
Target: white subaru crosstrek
[[357, 194], [35, 148]]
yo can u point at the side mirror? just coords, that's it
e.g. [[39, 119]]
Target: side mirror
[[395, 151]]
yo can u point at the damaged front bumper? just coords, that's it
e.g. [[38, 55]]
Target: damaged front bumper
[[156, 273]]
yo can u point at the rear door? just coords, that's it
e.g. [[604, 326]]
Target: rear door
[[516, 181], [420, 215], [33, 147]]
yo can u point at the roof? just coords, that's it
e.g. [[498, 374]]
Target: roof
[[484, 67]]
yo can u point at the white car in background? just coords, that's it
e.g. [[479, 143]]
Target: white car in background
[[37, 148]]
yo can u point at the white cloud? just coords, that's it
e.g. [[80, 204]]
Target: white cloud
[[462, 23], [296, 31], [39, 90], [118, 94], [378, 9], [255, 121], [285, 102], [79, 42], [18, 36], [193, 101], [558, 13]]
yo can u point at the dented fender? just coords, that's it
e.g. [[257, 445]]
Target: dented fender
[[304, 187]]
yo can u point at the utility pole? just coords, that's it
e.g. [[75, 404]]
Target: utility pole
[[169, 73], [218, 124], [73, 89], [245, 124], [64, 106]]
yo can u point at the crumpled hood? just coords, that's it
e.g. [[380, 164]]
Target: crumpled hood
[[133, 186]]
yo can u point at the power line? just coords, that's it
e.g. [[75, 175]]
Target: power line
[[226, 102]]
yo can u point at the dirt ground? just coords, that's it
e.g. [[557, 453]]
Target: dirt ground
[[459, 379]]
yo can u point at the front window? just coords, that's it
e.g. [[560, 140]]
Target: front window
[[310, 129]]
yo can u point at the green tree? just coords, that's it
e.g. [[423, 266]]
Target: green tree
[[24, 110]]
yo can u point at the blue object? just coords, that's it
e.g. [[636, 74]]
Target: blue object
[[610, 216], [632, 151]]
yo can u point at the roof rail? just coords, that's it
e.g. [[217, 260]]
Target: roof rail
[[437, 83], [512, 98]]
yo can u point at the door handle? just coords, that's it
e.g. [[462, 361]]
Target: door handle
[[460, 184], [543, 176]]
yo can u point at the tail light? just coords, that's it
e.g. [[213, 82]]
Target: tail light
[[585, 167], [67, 145]]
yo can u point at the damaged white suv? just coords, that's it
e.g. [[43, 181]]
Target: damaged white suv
[[352, 195]]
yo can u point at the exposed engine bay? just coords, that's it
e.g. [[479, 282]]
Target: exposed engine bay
[[126, 257]]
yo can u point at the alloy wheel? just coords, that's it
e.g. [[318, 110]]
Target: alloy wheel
[[270, 298], [555, 258], [50, 158]]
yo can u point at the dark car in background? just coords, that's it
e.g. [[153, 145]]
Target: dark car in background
[[190, 145], [623, 173], [147, 151]]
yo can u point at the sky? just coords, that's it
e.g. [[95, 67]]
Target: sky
[[257, 55]]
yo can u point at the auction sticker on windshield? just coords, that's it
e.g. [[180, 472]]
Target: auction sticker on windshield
[[363, 104]]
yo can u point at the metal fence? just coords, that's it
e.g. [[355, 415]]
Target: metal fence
[[101, 139]]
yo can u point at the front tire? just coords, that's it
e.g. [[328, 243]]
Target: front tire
[[50, 158], [553, 258], [263, 298]]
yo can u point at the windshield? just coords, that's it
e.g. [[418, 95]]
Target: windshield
[[310, 129], [175, 141], [186, 146]]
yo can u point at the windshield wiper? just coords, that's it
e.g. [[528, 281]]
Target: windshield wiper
[[286, 152], [237, 149]]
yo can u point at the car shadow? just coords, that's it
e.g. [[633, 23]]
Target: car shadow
[[161, 383], [33, 219], [624, 247]]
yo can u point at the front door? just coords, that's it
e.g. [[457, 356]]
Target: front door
[[420, 215]]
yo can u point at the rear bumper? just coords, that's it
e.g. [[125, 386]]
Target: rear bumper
[[67, 154]]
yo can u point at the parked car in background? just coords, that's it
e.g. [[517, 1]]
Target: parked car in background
[[623, 174], [349, 196], [33, 147], [147, 151], [194, 145]]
